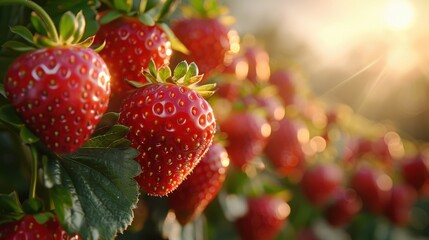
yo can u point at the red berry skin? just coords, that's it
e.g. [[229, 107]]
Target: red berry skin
[[344, 206], [258, 62], [264, 219], [373, 187], [415, 172], [60, 93], [130, 45], [208, 42], [172, 126], [271, 106], [398, 209], [320, 183], [191, 198], [247, 134], [29, 229], [283, 149], [282, 79]]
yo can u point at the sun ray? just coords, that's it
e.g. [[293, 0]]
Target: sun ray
[[341, 83], [366, 95]]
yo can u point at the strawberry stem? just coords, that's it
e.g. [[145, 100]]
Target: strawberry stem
[[34, 168], [50, 26]]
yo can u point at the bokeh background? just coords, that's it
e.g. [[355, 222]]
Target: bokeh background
[[371, 55]]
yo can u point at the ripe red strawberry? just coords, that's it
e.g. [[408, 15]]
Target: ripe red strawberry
[[415, 172], [208, 40], [60, 92], [191, 198], [130, 45], [271, 106], [398, 209], [373, 187], [344, 206], [247, 134], [258, 61], [283, 149], [264, 218], [171, 125], [320, 183], [29, 229], [282, 79]]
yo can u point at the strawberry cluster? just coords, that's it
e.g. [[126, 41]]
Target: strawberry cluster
[[175, 126]]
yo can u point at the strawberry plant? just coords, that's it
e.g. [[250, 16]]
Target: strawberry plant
[[56, 94], [134, 36], [171, 124], [107, 133], [210, 42]]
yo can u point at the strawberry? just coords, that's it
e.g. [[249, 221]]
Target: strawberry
[[247, 134], [344, 206], [133, 37], [282, 79], [320, 183], [258, 62], [271, 106], [264, 218], [208, 40], [399, 206], [130, 45], [191, 198], [61, 90], [415, 172], [171, 125], [30, 229], [283, 149], [373, 187]]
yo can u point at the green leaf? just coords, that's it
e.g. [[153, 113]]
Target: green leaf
[[42, 41], [10, 116], [81, 23], [123, 5], [51, 173], [2, 92], [38, 24], [68, 27], [32, 206], [110, 16], [115, 133], [99, 47], [142, 6], [43, 217], [24, 32], [64, 208], [180, 70], [164, 73], [106, 122], [192, 72], [167, 8], [152, 68], [10, 208], [120, 143], [87, 42], [146, 19], [18, 46], [176, 44], [102, 188], [27, 135], [151, 4]]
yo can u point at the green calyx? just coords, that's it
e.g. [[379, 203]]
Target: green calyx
[[184, 74], [204, 9], [71, 30], [148, 12]]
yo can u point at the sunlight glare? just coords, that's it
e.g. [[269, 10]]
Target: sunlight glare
[[399, 14]]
